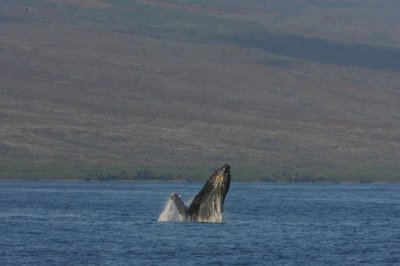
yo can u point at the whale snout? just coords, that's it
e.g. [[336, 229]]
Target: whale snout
[[226, 168]]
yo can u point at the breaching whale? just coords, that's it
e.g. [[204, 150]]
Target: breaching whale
[[208, 204]]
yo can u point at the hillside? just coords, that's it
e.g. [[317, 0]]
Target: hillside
[[280, 90]]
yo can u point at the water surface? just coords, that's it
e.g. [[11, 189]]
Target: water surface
[[115, 223]]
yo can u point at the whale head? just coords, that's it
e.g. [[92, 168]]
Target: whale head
[[221, 180]]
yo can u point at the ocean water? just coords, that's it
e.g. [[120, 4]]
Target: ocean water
[[116, 223]]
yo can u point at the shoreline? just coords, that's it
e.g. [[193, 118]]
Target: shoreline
[[195, 181]]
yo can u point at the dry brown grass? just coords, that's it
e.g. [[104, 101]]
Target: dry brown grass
[[84, 95]]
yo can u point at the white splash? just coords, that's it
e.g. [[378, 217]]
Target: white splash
[[170, 213]]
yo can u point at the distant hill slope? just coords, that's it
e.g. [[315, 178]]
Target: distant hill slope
[[281, 90]]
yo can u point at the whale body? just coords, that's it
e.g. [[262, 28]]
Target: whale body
[[208, 204]]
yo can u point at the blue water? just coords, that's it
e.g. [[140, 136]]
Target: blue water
[[115, 223]]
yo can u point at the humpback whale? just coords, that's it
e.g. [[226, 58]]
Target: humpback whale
[[208, 204]]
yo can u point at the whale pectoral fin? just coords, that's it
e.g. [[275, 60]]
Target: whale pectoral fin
[[182, 209]]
